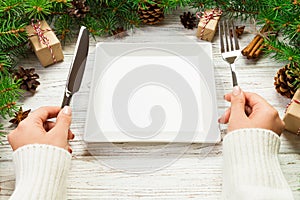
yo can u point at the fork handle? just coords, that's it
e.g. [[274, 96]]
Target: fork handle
[[234, 79]]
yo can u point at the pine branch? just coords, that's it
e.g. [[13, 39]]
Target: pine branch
[[9, 94], [282, 51], [243, 9], [12, 33]]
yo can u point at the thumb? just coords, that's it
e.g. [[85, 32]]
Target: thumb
[[237, 103], [63, 122]]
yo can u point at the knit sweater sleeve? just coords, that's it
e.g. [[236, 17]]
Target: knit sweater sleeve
[[41, 172], [251, 168]]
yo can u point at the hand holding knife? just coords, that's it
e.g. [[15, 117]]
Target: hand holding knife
[[77, 66]]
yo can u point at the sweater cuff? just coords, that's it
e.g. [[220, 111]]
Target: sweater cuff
[[251, 166], [41, 172]]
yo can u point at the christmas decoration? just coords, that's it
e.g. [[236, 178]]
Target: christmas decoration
[[44, 43], [292, 115], [19, 116], [188, 20], [281, 16], [287, 80], [151, 13], [238, 30], [208, 24], [28, 79], [78, 9], [255, 47]]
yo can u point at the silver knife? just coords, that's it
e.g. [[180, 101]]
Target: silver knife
[[77, 66]]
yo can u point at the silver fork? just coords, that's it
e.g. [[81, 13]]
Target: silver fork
[[229, 51]]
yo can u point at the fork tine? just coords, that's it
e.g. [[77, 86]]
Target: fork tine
[[221, 38], [226, 35], [228, 23], [236, 42]]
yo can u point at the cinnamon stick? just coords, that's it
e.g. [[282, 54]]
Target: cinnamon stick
[[258, 51], [257, 45], [250, 46], [248, 49]]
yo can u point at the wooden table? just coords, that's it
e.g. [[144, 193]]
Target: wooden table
[[195, 174]]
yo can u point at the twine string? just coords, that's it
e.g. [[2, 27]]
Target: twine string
[[38, 31], [207, 16]]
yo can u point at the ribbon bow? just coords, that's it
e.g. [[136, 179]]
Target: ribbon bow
[[41, 37], [207, 16]]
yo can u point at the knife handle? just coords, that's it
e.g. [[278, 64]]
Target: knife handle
[[66, 100]]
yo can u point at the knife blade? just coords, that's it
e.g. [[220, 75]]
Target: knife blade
[[77, 66]]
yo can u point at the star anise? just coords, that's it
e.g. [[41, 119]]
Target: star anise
[[239, 31], [19, 116]]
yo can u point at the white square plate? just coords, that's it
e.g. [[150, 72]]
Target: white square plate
[[152, 93]]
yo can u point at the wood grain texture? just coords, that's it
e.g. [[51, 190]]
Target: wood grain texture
[[196, 174]]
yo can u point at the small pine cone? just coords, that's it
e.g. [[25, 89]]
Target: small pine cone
[[283, 82], [28, 79], [78, 9], [188, 20], [152, 14]]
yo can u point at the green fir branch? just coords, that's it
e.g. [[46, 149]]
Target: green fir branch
[[9, 94], [281, 51]]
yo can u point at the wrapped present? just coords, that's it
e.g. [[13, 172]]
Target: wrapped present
[[292, 115], [44, 43], [208, 24]]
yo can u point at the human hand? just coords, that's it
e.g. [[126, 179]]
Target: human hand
[[249, 110], [36, 129]]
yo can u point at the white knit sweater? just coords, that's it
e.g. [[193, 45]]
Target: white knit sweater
[[41, 172], [251, 169]]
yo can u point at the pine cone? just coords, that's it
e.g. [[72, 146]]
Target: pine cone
[[28, 79], [188, 20], [152, 14], [283, 82], [78, 9], [19, 116]]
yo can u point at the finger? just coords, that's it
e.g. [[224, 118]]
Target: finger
[[44, 113], [237, 104], [254, 99], [49, 125], [225, 117], [63, 123], [70, 149], [71, 135]]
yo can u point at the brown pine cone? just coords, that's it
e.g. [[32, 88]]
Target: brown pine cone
[[28, 79], [283, 82], [188, 20], [78, 9], [152, 13]]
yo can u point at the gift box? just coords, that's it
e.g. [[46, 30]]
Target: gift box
[[292, 115], [208, 24], [44, 43]]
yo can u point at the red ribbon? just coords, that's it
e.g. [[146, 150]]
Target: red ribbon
[[42, 38], [292, 101], [207, 16]]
